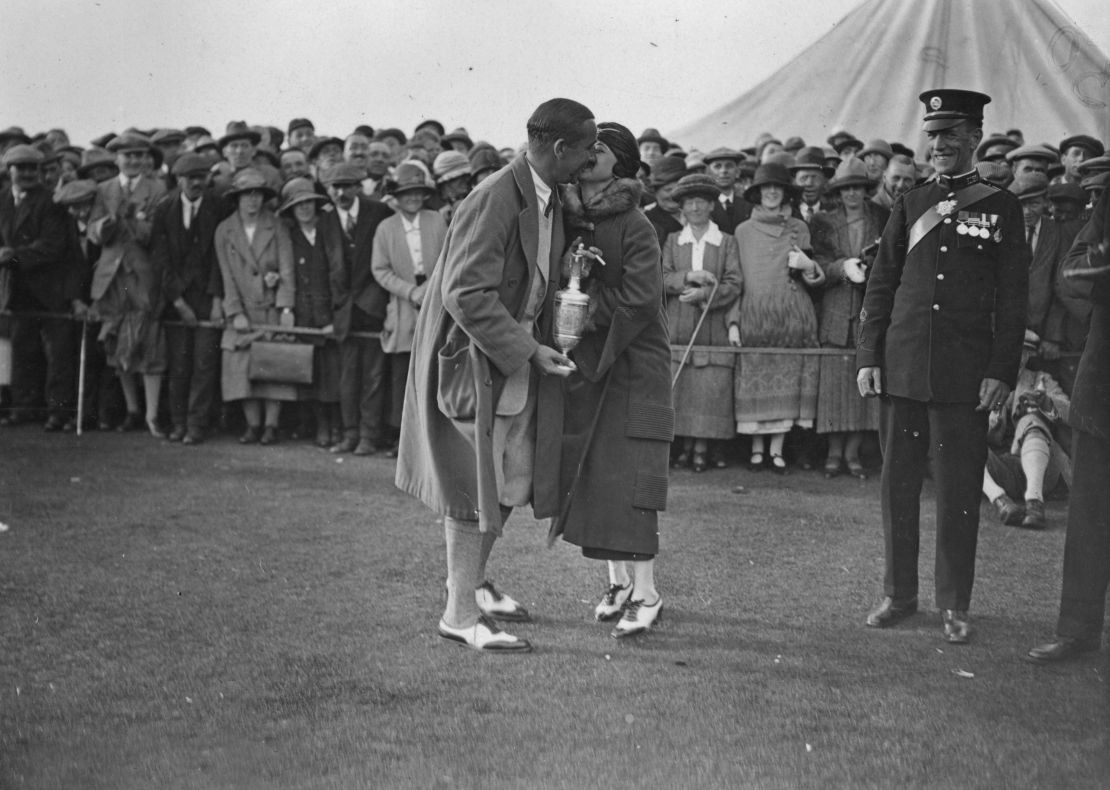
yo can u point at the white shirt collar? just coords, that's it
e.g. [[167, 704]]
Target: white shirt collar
[[125, 180], [712, 235], [414, 225], [725, 196], [543, 191]]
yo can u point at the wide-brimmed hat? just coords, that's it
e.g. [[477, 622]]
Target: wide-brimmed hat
[[192, 163], [128, 142], [696, 185], [343, 173], [238, 130], [410, 177], [459, 135], [877, 146], [94, 158], [23, 154], [321, 143], [651, 135], [770, 173], [667, 170], [483, 160], [811, 158], [850, 173], [1033, 152], [995, 139], [449, 165], [723, 153], [75, 192], [1067, 190], [299, 190], [1030, 185], [1085, 141], [249, 179]]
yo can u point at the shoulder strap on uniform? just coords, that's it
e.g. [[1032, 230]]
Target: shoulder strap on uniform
[[931, 218]]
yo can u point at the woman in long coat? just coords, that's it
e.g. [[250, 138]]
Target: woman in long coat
[[406, 246], [256, 262], [617, 413], [694, 260], [774, 391], [318, 292], [839, 238]]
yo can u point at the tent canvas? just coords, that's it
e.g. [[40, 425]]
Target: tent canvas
[[1045, 76]]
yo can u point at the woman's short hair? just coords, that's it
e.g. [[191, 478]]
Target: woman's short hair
[[558, 119]]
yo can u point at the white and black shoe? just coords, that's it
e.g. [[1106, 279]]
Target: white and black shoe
[[638, 617], [499, 606], [484, 635], [612, 603]]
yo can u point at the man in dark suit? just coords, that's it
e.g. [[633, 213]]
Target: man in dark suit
[[940, 339], [723, 164], [1087, 546], [34, 278], [363, 375], [182, 235]]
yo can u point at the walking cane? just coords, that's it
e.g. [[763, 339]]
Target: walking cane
[[694, 337], [81, 375]]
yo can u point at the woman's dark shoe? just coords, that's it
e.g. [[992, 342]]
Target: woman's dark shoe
[[755, 463], [250, 436], [155, 431], [832, 467], [680, 461], [855, 469], [699, 464], [612, 603], [778, 465], [269, 435], [132, 422]]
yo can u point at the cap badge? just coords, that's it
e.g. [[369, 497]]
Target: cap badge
[[935, 102]]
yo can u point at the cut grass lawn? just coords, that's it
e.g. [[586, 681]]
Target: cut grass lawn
[[246, 617]]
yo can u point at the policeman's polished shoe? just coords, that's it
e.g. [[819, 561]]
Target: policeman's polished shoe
[[1034, 515], [638, 617], [612, 603], [1010, 512], [486, 636], [1061, 649], [499, 606], [891, 611], [957, 628]]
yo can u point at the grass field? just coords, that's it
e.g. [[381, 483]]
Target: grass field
[[230, 617]]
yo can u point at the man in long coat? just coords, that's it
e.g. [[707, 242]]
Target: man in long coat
[[469, 432], [940, 338]]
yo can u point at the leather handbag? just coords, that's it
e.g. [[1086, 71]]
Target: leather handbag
[[280, 362]]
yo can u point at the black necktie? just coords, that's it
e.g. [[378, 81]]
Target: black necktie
[[1029, 234]]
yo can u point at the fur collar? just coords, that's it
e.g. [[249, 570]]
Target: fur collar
[[620, 196]]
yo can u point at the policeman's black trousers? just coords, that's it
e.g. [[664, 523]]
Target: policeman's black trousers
[[1087, 546], [194, 375], [955, 435]]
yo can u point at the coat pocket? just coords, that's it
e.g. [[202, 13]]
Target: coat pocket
[[649, 420], [650, 492], [456, 395]]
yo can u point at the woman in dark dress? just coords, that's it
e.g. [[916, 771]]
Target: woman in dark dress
[[617, 407], [318, 268]]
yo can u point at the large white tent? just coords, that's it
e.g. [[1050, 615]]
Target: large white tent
[[1045, 76]]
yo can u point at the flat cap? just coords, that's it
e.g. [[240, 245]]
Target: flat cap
[[1033, 152], [191, 163], [22, 154], [343, 173], [1084, 141], [75, 192]]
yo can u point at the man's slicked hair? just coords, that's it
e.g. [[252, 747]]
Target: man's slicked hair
[[558, 119]]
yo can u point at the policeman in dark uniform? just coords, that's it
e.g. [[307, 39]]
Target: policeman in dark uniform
[[940, 341]]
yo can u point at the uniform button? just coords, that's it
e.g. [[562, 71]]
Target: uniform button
[[936, 307], [978, 246], [940, 276], [951, 194], [948, 221], [944, 249]]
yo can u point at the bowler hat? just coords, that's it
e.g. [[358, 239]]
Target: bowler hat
[[191, 163], [14, 133], [75, 192], [94, 158], [811, 158], [238, 130], [995, 140], [948, 107], [484, 160], [850, 173], [1085, 141], [667, 170], [409, 177], [1030, 185], [1067, 190], [770, 173], [433, 124], [343, 173], [299, 123], [127, 142], [1032, 151], [299, 190], [651, 135], [458, 136], [449, 165], [696, 185], [22, 154], [247, 180], [321, 144], [722, 153], [836, 137], [877, 146]]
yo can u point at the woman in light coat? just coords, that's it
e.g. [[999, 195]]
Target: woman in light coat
[[406, 246], [256, 262]]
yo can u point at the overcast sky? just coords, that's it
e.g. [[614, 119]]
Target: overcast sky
[[93, 67]]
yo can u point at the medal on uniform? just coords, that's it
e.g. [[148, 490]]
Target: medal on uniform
[[961, 223], [946, 207]]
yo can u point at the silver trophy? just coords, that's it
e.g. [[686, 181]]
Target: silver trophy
[[572, 307]]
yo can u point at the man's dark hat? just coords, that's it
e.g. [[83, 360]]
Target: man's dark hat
[[75, 192], [396, 134], [366, 130], [667, 170], [1067, 190], [167, 136], [299, 123], [103, 140], [483, 160], [794, 144], [238, 130], [129, 141], [1086, 141], [197, 131], [15, 133], [847, 141], [722, 153], [459, 135], [1099, 164], [811, 158], [320, 144], [1030, 185], [433, 124], [94, 158], [651, 135], [343, 173], [190, 163], [904, 150], [948, 107]]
